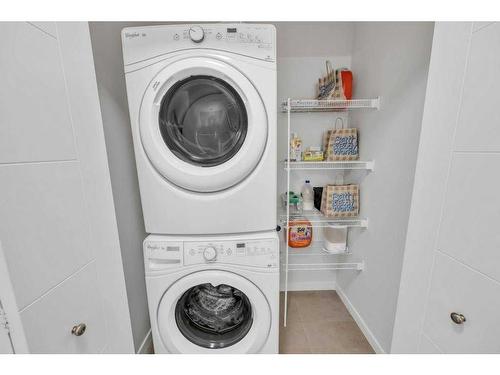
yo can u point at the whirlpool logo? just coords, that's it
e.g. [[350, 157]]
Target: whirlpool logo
[[135, 35]]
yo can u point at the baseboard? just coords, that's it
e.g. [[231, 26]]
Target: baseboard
[[361, 323], [146, 345]]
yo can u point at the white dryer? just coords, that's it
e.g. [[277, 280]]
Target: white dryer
[[202, 101], [213, 294]]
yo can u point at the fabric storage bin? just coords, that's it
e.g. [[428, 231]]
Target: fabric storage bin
[[335, 239], [340, 201]]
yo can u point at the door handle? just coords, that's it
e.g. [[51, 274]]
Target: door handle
[[79, 329], [457, 318]]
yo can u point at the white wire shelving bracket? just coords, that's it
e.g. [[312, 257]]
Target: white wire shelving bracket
[[368, 165], [318, 220], [328, 105]]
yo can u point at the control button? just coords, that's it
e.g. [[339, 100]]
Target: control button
[[229, 252], [196, 34], [219, 36], [176, 36], [210, 253]]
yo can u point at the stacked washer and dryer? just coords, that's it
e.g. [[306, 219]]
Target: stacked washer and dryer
[[202, 101]]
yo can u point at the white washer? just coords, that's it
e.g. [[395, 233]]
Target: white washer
[[213, 294], [202, 101]]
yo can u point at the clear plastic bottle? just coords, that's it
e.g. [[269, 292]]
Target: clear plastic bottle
[[295, 148], [307, 193]]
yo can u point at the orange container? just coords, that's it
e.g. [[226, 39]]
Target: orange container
[[300, 233], [346, 77]]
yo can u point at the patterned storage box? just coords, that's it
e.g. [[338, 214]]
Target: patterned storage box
[[341, 144], [340, 201]]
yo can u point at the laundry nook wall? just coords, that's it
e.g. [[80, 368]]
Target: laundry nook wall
[[302, 48]]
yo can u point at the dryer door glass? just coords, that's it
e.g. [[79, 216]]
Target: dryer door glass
[[213, 317], [203, 120]]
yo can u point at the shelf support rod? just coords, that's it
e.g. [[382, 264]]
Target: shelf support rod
[[287, 213]]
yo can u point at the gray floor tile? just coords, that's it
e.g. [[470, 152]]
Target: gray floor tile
[[318, 322]]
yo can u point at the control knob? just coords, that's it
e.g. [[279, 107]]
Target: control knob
[[210, 253], [196, 34]]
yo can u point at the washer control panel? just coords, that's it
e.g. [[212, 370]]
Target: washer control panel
[[254, 253]]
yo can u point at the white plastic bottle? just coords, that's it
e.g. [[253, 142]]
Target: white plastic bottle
[[307, 193]]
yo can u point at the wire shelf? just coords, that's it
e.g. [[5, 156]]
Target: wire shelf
[[338, 165], [359, 266], [318, 220], [314, 258], [316, 249], [328, 105]]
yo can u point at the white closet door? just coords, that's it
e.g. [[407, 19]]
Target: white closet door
[[5, 347], [12, 338], [449, 296], [5, 344], [57, 222]]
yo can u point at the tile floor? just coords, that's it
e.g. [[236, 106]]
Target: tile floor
[[318, 322]]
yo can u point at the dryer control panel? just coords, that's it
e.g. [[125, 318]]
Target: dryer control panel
[[253, 40], [255, 253]]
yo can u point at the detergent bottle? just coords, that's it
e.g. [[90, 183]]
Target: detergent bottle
[[299, 233]]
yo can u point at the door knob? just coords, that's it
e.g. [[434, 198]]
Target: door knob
[[457, 318], [79, 329]]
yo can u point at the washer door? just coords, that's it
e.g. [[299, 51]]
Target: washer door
[[214, 312], [203, 124]]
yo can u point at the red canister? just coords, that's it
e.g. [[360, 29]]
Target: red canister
[[346, 79]]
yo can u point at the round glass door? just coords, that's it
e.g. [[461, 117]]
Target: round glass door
[[214, 317], [213, 310], [203, 120], [203, 124]]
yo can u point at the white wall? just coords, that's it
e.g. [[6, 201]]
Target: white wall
[[310, 39], [107, 50], [390, 60]]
